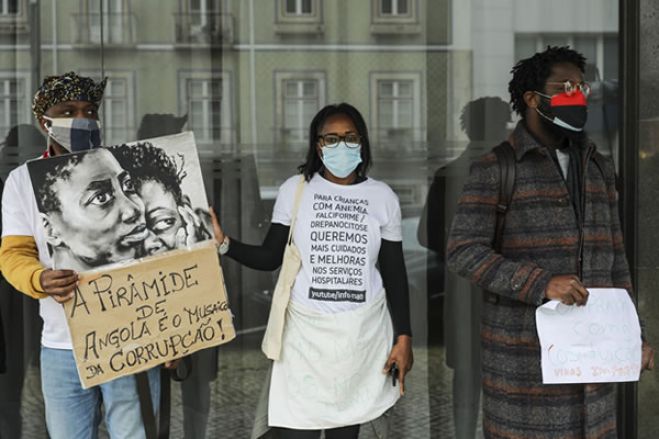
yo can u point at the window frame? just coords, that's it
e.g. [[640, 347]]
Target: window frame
[[378, 17], [315, 17], [418, 115], [128, 76], [226, 106], [280, 78], [24, 116]]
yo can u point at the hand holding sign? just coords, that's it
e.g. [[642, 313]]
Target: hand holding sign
[[595, 343], [59, 284], [567, 289]]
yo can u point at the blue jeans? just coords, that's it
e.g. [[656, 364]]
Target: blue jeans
[[74, 412]]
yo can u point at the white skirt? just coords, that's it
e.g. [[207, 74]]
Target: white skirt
[[330, 371]]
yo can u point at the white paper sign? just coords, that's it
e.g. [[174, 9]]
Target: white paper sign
[[596, 343]]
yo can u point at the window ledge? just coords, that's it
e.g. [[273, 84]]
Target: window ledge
[[395, 28], [299, 28], [13, 25]]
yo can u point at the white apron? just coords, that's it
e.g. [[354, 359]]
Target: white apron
[[330, 371]]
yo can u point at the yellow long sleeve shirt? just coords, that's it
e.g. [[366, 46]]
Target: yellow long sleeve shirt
[[20, 265]]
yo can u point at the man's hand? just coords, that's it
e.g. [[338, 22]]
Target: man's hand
[[567, 288], [401, 354], [647, 362], [59, 284]]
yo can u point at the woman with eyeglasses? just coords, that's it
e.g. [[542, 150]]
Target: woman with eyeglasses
[[346, 345]]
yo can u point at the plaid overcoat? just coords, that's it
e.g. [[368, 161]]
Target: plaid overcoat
[[541, 238]]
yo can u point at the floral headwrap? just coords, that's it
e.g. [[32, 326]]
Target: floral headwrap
[[66, 87]]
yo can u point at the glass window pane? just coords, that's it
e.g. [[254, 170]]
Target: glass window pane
[[309, 109], [216, 89], [610, 57], [386, 88], [405, 88], [197, 89], [386, 6], [405, 113], [430, 79], [588, 47], [12, 6], [291, 88], [525, 46], [385, 112], [309, 88]]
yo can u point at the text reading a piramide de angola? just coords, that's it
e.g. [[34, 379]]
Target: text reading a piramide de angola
[[131, 291]]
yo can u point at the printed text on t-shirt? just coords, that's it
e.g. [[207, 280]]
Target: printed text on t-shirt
[[339, 248]]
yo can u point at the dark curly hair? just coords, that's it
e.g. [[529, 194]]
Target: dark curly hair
[[531, 74], [145, 162], [43, 179], [313, 163]]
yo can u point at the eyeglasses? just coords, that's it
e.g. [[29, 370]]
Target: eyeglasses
[[332, 140], [571, 88]]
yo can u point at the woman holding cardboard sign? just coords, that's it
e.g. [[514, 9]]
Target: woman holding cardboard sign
[[336, 347]]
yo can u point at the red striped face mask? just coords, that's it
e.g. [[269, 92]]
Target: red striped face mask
[[568, 111]]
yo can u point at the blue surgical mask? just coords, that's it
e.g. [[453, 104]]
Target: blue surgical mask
[[75, 134], [341, 158]]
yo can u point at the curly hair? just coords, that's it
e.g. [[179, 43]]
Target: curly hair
[[313, 163], [531, 74], [43, 182], [145, 162]]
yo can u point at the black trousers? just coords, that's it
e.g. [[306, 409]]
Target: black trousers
[[349, 432]]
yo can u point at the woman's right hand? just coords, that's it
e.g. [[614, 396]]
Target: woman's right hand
[[217, 228]]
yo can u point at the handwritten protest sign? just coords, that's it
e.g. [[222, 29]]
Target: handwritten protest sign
[[596, 343], [134, 317]]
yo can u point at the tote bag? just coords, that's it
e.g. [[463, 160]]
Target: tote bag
[[271, 344]]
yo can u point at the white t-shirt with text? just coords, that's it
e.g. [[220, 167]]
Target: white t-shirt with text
[[338, 232]]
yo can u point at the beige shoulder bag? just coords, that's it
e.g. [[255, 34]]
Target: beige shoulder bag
[[271, 344]]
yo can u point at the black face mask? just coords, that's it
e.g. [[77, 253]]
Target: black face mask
[[567, 112], [558, 132]]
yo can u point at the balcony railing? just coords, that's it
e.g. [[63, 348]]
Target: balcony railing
[[207, 28], [118, 28]]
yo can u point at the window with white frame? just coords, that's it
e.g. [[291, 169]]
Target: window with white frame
[[117, 107], [117, 126], [394, 8], [299, 11], [116, 21], [399, 11], [396, 107], [298, 7], [14, 104], [395, 103], [202, 12], [9, 7], [300, 97], [205, 98]]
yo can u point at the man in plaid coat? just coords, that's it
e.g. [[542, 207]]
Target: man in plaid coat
[[561, 235]]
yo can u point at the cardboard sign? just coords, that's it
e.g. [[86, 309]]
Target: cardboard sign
[[134, 317], [599, 342]]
